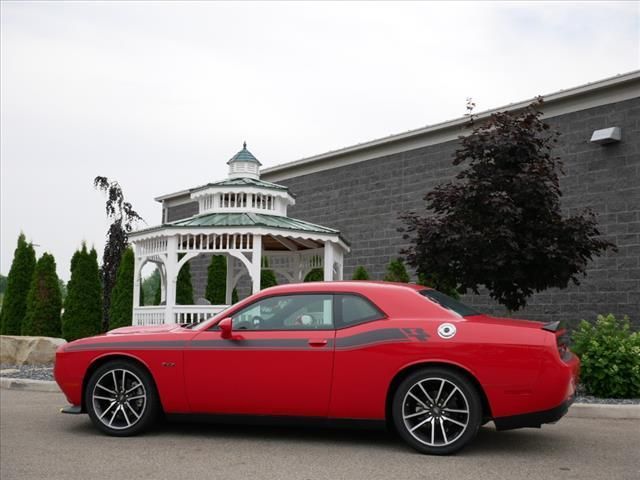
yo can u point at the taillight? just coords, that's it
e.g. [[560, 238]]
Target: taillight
[[562, 339]]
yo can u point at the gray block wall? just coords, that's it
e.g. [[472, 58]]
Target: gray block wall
[[364, 200]]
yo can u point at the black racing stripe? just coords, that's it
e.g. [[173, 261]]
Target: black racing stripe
[[167, 344], [372, 337], [385, 335]]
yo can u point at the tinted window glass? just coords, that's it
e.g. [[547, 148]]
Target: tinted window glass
[[449, 303], [355, 309], [287, 312]]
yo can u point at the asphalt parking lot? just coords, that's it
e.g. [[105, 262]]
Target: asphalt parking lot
[[38, 442]]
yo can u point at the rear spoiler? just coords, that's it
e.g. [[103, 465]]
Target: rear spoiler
[[552, 327]]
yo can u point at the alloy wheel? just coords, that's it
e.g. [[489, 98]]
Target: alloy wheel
[[119, 399], [435, 412]]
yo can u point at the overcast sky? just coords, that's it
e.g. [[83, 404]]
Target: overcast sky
[[160, 95]]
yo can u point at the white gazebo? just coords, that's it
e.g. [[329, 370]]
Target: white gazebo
[[245, 219]]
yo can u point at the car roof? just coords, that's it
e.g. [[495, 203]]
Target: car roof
[[356, 286]]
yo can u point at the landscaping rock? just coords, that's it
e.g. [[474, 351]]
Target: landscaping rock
[[19, 350]]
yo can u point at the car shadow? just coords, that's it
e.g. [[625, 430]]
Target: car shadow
[[533, 441], [276, 433], [488, 440]]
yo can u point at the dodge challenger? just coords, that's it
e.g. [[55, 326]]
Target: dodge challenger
[[400, 355]]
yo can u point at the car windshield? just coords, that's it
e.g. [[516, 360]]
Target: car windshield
[[449, 303]]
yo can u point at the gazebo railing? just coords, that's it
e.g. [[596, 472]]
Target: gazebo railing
[[155, 315], [195, 313], [148, 315]]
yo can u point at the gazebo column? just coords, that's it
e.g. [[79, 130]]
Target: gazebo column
[[299, 274], [339, 254], [256, 263], [229, 292], [171, 267], [329, 258], [163, 282], [137, 266]]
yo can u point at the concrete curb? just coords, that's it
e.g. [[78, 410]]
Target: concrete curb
[[577, 410], [600, 410]]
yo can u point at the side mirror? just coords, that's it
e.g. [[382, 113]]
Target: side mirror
[[225, 326]]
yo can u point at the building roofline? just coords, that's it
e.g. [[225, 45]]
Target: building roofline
[[451, 129], [226, 185], [181, 193], [627, 83]]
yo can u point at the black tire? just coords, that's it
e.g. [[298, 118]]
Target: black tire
[[142, 400], [442, 435]]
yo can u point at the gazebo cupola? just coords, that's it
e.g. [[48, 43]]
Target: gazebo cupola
[[243, 191], [244, 219], [244, 165]]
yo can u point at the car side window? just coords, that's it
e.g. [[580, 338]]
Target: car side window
[[287, 312], [354, 309]]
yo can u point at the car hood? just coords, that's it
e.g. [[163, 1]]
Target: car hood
[[143, 330]]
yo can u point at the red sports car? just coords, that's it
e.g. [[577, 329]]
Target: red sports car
[[404, 355]]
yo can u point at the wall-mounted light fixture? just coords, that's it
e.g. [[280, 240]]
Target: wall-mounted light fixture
[[606, 135]]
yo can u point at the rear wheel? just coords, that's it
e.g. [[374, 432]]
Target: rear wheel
[[437, 411], [121, 398]]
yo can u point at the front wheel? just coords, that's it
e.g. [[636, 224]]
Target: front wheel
[[437, 411], [121, 398]]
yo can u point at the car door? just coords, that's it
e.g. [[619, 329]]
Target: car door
[[365, 345], [278, 362]]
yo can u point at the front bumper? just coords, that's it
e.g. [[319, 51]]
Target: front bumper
[[534, 419], [72, 409]]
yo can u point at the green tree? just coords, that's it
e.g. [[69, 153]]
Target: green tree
[[14, 303], [3, 287], [121, 309], [360, 273], [267, 278], [396, 272], [442, 286], [216, 291], [82, 315], [216, 280], [142, 299], [149, 289], [184, 289], [157, 296], [3, 284], [44, 301], [315, 275], [63, 289], [499, 223]]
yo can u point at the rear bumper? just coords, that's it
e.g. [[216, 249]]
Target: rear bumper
[[534, 419]]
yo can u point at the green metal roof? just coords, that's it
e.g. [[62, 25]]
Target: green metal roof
[[251, 220], [242, 182], [247, 220], [244, 155]]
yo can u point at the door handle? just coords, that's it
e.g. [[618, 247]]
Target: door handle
[[317, 342]]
